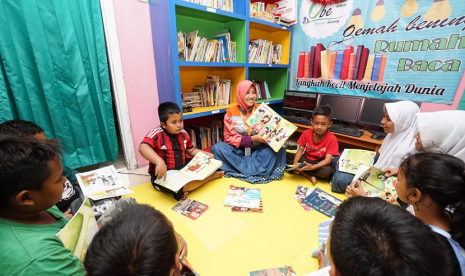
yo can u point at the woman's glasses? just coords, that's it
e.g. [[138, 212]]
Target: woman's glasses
[[333, 45]]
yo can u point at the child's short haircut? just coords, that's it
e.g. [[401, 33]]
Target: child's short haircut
[[167, 109], [23, 164], [323, 111], [20, 127], [137, 241], [370, 236]]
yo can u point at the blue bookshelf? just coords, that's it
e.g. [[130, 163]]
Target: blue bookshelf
[[175, 77]]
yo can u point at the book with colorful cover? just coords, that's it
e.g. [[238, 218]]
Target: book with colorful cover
[[199, 168], [290, 168], [274, 128], [243, 197], [80, 230], [322, 202], [375, 183], [190, 208], [338, 66], [376, 67], [301, 193], [102, 183], [278, 271], [352, 159], [248, 210]]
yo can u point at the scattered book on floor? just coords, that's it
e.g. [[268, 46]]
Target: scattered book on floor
[[375, 183], [278, 271], [102, 183], [291, 168], [190, 208], [248, 210], [199, 168], [352, 159], [243, 197], [322, 202], [274, 128], [301, 193], [80, 230]]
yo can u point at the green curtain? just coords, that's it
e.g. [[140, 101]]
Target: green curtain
[[54, 72]]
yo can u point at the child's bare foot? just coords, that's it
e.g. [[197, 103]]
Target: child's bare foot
[[311, 178], [321, 259]]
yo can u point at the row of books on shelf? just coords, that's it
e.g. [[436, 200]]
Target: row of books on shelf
[[269, 13], [342, 65], [194, 48], [225, 5], [263, 92], [263, 51], [216, 92], [205, 136]]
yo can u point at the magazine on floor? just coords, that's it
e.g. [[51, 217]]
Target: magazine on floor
[[190, 208], [274, 128], [80, 230], [199, 168], [248, 210], [375, 183], [322, 202], [243, 197], [278, 271], [352, 159], [301, 193], [102, 183]]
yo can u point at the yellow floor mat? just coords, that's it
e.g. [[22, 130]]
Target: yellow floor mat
[[225, 243]]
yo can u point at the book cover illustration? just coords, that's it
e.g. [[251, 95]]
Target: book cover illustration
[[248, 210], [190, 208], [301, 193], [243, 197], [322, 202], [278, 271], [352, 159], [80, 230], [375, 183], [200, 167], [291, 168], [102, 183], [275, 129]]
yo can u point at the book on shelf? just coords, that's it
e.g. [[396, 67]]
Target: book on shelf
[[301, 65], [225, 5], [277, 50], [351, 66], [199, 168], [274, 128], [338, 66], [190, 208], [322, 202], [262, 51], [102, 183], [375, 183], [191, 39], [358, 57], [243, 197], [369, 68], [363, 63], [352, 159], [345, 63], [79, 231], [262, 89], [382, 67], [191, 47], [181, 48], [248, 210], [213, 132]]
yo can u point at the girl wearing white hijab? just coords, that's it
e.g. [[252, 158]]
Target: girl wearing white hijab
[[400, 123], [442, 131]]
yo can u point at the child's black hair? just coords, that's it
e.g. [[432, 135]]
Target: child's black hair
[[166, 109], [23, 164], [20, 127], [370, 236], [261, 110], [442, 178], [323, 111], [137, 241]]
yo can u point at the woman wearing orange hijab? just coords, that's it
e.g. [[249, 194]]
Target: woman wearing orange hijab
[[244, 153]]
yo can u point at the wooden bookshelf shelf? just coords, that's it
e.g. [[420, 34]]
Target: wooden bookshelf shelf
[[268, 26]]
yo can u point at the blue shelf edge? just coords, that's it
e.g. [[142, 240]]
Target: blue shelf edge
[[281, 27], [210, 64], [208, 9], [268, 101], [265, 65]]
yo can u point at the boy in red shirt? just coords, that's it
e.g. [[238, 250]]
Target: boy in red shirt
[[317, 147]]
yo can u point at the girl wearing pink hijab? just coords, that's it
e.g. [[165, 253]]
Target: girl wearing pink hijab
[[244, 153]]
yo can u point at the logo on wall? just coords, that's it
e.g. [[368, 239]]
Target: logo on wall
[[320, 21]]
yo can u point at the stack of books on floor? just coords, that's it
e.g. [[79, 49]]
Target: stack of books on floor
[[225, 5], [194, 48], [342, 64], [246, 200], [216, 92], [206, 136], [263, 51], [263, 92]]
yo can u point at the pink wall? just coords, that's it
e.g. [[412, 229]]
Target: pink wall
[[135, 41]]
